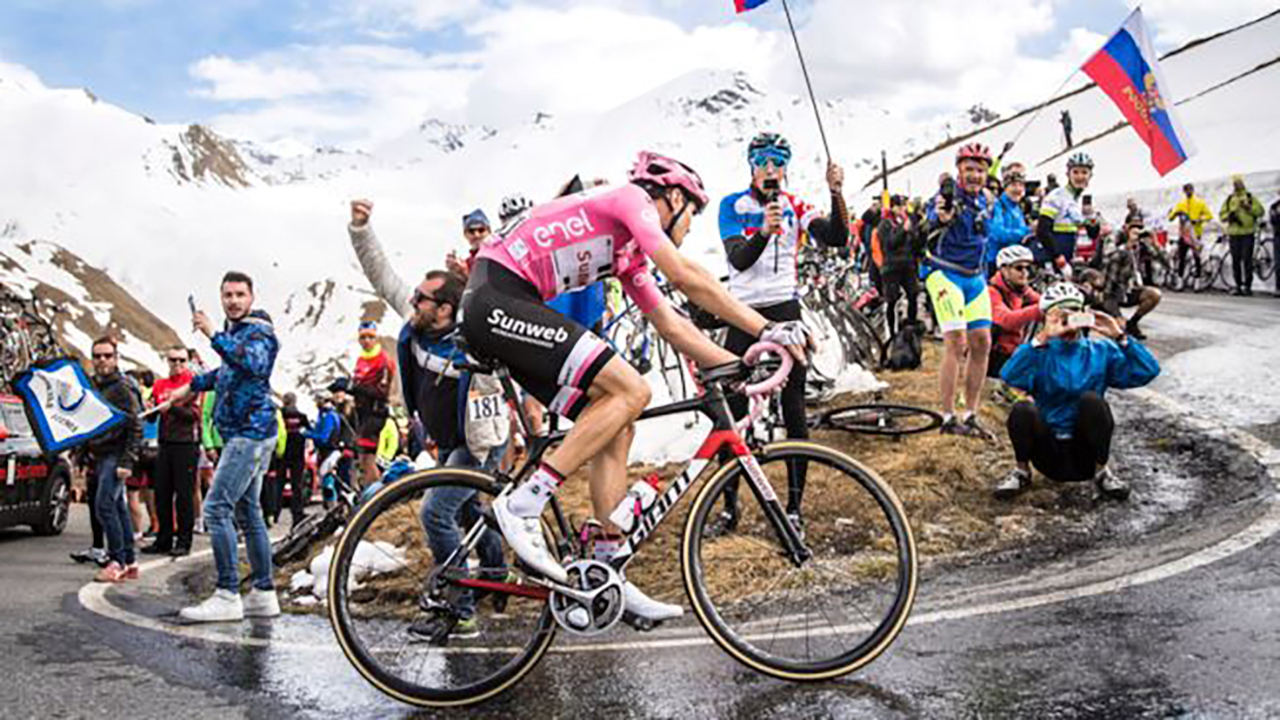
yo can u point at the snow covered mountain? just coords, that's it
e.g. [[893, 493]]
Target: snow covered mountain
[[166, 209]]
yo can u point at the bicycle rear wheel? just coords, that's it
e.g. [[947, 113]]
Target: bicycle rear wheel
[[821, 618], [394, 611], [878, 419]]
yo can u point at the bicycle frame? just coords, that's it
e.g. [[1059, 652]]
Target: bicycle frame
[[723, 442]]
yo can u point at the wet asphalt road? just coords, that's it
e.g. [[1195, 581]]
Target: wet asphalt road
[[1202, 642]]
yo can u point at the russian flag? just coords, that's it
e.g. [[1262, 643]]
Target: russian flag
[[745, 5], [1128, 70]]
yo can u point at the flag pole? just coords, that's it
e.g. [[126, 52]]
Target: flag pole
[[807, 84], [1040, 109]]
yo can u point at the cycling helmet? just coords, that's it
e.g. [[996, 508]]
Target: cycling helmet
[[662, 171], [1062, 294], [1014, 254], [974, 151], [771, 143], [1080, 160], [512, 206]]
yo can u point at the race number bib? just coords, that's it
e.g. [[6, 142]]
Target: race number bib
[[490, 406], [582, 263]]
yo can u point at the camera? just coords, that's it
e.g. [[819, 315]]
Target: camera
[[770, 189], [948, 193]]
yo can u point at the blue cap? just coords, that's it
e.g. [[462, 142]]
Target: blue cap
[[475, 218]]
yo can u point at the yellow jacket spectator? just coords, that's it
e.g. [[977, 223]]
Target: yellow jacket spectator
[[1196, 210], [388, 442]]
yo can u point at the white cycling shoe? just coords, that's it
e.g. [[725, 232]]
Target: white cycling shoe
[[524, 535], [646, 607]]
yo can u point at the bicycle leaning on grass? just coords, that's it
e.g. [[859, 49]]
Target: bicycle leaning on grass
[[802, 604]]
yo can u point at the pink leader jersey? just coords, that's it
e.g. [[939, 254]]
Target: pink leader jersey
[[577, 240]]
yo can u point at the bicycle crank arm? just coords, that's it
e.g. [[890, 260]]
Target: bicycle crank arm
[[537, 593]]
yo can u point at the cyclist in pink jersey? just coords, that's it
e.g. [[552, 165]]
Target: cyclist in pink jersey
[[567, 244]]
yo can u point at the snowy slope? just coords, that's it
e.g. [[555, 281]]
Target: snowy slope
[[166, 209]]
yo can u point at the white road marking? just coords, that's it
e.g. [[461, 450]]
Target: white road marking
[[93, 595]]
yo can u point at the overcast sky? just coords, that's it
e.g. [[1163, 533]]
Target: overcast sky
[[351, 72]]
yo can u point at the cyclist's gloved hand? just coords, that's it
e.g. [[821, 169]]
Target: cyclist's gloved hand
[[791, 334]]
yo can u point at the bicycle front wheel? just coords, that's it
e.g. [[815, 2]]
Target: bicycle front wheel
[[819, 618], [398, 615], [876, 419]]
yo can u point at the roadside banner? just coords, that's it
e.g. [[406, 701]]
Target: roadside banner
[[64, 409]]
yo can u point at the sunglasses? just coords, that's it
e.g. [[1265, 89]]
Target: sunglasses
[[103, 356], [478, 230], [764, 157], [177, 361], [420, 297], [1022, 268]]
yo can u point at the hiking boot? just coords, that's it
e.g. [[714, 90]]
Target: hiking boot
[[524, 535], [1132, 330], [156, 549], [1012, 484], [221, 606], [724, 523], [439, 629], [646, 607], [975, 430], [261, 604], [1110, 486], [950, 426], [180, 551]]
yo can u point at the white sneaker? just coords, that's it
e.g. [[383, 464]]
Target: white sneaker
[[261, 604], [646, 607], [524, 535], [222, 606]]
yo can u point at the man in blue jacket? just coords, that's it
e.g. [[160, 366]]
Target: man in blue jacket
[[1067, 433], [246, 420]]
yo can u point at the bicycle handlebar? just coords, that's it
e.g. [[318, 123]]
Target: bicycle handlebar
[[778, 378]]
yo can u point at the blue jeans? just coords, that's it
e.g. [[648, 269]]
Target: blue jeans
[[446, 509], [113, 511], [237, 485]]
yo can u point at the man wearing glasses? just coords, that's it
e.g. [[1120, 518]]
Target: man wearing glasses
[[114, 455], [176, 462], [1015, 307], [761, 229]]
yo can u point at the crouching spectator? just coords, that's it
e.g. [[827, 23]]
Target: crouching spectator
[[1125, 286], [1067, 432], [1015, 307]]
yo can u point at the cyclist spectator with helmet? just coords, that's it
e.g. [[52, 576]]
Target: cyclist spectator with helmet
[[1015, 307], [761, 229], [1242, 212], [1067, 432], [1008, 223], [959, 220], [1062, 216], [572, 371]]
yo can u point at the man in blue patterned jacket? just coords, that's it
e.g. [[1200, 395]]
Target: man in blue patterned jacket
[[246, 419]]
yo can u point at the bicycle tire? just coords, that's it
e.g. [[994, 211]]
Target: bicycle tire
[[346, 621], [869, 351], [313, 529], [881, 419], [884, 513], [1209, 274], [1264, 261]]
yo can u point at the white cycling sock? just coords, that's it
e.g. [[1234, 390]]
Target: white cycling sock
[[529, 499]]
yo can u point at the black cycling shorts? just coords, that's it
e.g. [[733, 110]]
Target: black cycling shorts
[[552, 357]]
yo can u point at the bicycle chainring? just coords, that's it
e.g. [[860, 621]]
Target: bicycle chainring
[[606, 604]]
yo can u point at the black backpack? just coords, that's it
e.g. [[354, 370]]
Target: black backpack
[[903, 352]]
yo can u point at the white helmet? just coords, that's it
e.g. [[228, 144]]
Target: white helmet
[[1014, 254], [1060, 294], [512, 206]]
